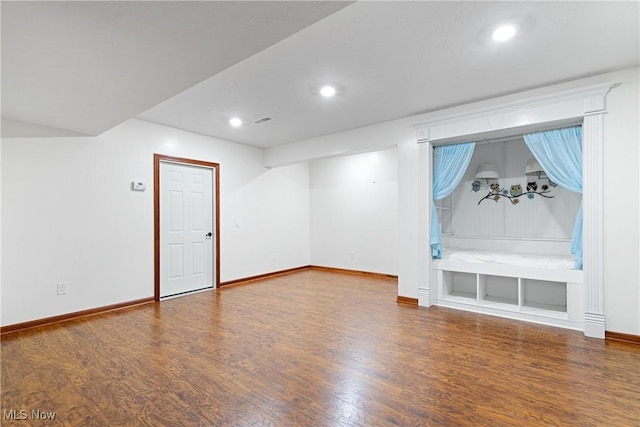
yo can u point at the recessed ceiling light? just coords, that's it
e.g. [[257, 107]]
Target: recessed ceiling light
[[504, 33], [235, 122], [328, 91]]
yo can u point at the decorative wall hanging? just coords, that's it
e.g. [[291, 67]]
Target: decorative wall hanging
[[489, 172], [515, 192]]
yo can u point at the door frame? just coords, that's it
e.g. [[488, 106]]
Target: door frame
[[215, 167]]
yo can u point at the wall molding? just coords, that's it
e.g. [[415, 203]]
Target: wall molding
[[522, 112], [620, 337], [407, 301], [356, 272], [245, 280], [18, 327]]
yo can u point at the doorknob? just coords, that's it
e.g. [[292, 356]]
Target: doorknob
[[209, 234]]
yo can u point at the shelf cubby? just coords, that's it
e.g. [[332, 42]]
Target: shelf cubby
[[460, 285], [498, 289], [523, 297], [544, 295]]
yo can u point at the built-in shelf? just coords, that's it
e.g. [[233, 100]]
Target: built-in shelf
[[525, 298]]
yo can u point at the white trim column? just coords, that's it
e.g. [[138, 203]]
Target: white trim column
[[425, 296], [592, 209]]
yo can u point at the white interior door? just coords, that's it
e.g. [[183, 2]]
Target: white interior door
[[186, 229]]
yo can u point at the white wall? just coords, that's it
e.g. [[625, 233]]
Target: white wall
[[621, 210], [0, 226], [354, 205], [69, 215], [621, 205]]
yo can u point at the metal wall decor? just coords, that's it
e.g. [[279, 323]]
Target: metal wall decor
[[515, 192]]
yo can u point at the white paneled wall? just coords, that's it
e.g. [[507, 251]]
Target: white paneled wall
[[530, 218]]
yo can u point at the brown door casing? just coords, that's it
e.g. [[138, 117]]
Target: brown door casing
[[157, 158]]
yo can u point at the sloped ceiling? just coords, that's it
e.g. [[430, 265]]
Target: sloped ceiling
[[83, 68]]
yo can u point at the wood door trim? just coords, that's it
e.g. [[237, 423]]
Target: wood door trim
[[157, 159]]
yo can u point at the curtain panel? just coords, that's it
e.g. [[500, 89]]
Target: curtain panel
[[450, 162], [559, 152]]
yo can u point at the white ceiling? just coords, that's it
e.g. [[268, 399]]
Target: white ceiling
[[85, 68]]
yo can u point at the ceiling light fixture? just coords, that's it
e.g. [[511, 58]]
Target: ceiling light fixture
[[235, 122], [328, 91], [504, 33]]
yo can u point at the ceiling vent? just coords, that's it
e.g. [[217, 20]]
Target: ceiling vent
[[262, 120]]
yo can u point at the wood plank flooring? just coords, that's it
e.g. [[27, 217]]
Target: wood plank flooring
[[314, 349]]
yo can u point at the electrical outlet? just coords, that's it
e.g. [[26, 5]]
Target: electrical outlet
[[273, 256], [63, 288], [352, 255]]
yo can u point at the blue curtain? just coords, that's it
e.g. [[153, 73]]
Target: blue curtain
[[559, 152], [450, 162]]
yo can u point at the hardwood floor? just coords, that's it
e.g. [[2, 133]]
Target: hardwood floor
[[314, 349]]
